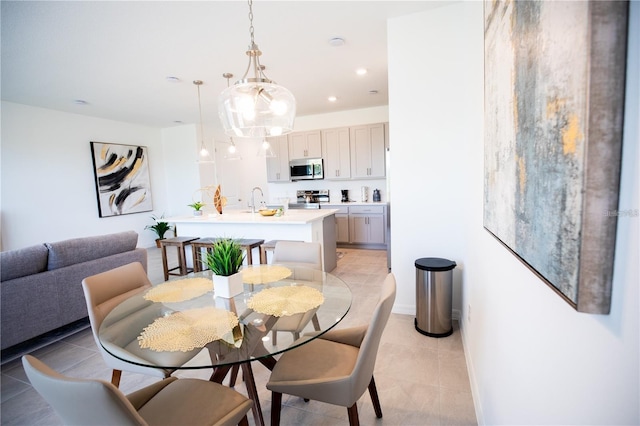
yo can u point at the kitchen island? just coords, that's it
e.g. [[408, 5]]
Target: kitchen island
[[317, 225]]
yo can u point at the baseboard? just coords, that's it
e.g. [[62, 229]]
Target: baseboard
[[475, 393]]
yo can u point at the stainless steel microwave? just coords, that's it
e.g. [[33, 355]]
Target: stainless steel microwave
[[306, 169]]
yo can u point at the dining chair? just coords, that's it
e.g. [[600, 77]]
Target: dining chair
[[103, 292], [336, 367], [170, 401], [301, 257]]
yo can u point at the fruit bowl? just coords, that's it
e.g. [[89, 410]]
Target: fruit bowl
[[267, 212]]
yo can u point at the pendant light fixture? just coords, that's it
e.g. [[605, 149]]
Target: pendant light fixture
[[205, 157], [256, 107]]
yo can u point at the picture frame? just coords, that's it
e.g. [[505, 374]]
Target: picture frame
[[554, 101], [121, 176]]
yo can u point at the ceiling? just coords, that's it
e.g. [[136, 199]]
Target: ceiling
[[117, 55]]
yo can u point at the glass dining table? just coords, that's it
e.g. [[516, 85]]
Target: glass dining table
[[184, 315]]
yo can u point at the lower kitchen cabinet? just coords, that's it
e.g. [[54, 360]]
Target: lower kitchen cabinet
[[361, 224], [342, 228], [367, 229]]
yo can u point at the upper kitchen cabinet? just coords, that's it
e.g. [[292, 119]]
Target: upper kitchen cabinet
[[305, 145], [278, 166], [336, 154], [368, 151]]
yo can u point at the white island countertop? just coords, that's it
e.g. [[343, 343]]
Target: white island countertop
[[291, 216], [297, 225]]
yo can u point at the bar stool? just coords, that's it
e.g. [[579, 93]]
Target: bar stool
[[205, 243], [268, 246], [180, 243]]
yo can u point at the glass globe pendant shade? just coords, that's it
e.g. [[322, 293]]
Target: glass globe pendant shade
[[256, 108]]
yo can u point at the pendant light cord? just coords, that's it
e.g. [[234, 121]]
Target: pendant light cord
[[251, 21]]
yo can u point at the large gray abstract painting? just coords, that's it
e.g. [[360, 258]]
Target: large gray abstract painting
[[554, 95], [122, 178]]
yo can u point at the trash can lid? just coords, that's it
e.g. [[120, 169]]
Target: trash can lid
[[435, 264]]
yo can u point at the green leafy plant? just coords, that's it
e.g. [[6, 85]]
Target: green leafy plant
[[160, 227], [196, 206], [226, 257]]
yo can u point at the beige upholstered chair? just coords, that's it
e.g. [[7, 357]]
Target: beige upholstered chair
[[168, 402], [103, 292], [296, 254], [337, 367]]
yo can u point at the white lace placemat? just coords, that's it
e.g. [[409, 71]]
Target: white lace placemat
[[179, 290], [187, 330], [265, 274], [283, 301]]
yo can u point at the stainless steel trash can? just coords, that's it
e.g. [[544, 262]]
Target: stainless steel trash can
[[433, 296]]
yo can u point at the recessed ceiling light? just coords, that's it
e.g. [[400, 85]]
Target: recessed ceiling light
[[332, 98], [80, 102], [172, 79], [361, 71], [336, 41]]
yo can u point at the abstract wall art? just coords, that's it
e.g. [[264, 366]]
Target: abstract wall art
[[122, 178], [554, 98]]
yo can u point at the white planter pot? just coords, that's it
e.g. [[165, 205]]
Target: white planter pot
[[227, 287]]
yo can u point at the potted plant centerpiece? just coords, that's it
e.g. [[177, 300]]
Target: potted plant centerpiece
[[196, 206], [225, 260], [160, 228]]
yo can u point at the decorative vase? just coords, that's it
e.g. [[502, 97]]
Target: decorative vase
[[197, 212], [229, 286]]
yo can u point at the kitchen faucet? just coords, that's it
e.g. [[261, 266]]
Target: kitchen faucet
[[253, 201]]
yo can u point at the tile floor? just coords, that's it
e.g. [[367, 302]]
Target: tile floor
[[420, 380]]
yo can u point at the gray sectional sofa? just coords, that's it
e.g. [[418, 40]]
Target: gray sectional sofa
[[41, 286]]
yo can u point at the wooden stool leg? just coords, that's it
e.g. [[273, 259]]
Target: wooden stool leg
[[263, 255], [165, 264], [249, 259], [182, 260], [195, 255]]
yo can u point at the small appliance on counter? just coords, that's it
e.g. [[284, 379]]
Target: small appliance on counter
[[310, 199], [376, 195], [364, 194], [345, 195]]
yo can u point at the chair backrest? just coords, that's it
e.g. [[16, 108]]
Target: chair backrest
[[106, 290], [298, 253], [80, 401], [365, 363]]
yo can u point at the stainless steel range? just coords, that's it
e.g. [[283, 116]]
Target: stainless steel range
[[310, 199]]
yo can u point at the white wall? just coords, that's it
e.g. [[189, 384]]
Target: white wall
[[532, 358], [433, 96], [48, 191]]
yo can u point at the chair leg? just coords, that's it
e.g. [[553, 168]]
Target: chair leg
[[115, 377], [353, 415], [276, 402], [374, 398], [274, 337]]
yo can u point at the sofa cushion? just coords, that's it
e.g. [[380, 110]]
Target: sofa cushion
[[23, 262], [77, 250]]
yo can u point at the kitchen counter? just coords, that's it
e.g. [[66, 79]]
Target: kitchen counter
[[317, 225], [355, 203], [291, 216]]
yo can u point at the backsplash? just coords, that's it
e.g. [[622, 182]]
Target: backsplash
[[278, 191]]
